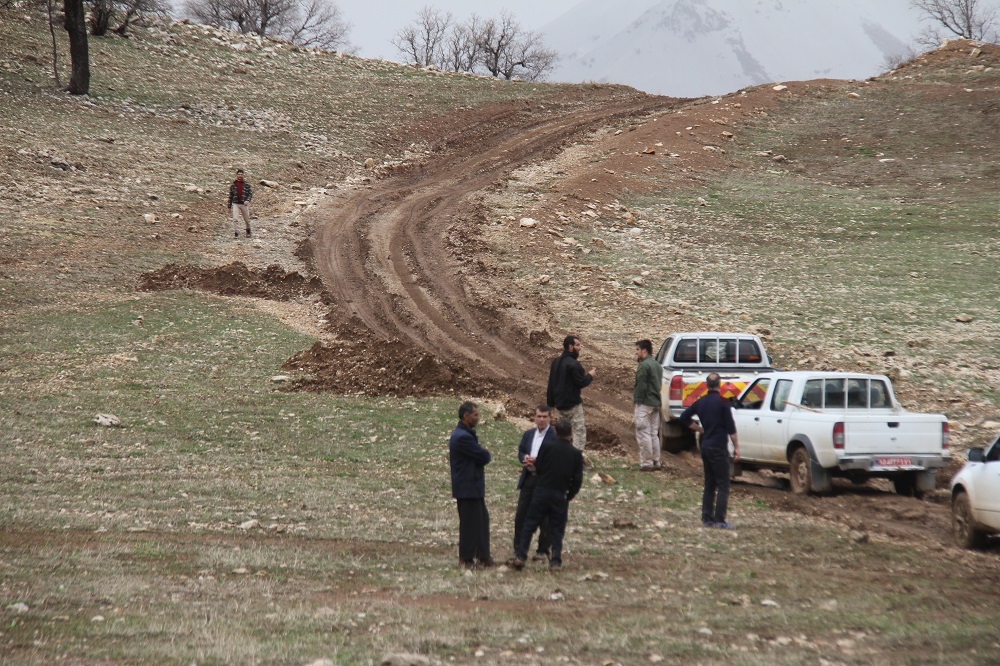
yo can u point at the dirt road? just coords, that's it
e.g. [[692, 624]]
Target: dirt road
[[397, 259]]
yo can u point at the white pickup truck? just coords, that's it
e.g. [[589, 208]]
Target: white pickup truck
[[817, 425], [687, 359]]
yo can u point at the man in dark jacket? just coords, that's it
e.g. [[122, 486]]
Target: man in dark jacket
[[717, 428], [240, 194], [566, 378], [532, 442], [560, 475], [468, 486]]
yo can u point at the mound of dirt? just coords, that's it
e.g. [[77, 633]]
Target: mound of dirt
[[235, 279], [364, 365]]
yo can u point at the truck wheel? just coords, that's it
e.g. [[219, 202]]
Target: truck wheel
[[801, 472], [963, 524], [675, 438], [905, 485]]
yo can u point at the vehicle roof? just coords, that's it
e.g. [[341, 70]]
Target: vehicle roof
[[686, 334], [822, 374]]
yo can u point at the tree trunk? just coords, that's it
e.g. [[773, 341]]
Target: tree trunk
[[76, 26]]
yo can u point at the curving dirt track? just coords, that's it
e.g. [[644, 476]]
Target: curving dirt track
[[395, 258]]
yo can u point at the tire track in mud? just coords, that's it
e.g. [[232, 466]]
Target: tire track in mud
[[394, 258]]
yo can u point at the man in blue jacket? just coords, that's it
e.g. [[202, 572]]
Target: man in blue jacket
[[468, 486], [531, 444], [717, 428]]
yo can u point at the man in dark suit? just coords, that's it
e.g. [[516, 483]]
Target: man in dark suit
[[532, 441], [566, 379], [560, 475], [468, 486]]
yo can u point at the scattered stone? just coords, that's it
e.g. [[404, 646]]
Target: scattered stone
[[779, 88], [280, 379], [853, 94], [97, 618], [779, 158], [701, 201], [529, 222], [963, 318], [370, 163], [857, 536], [771, 603], [321, 662], [273, 184], [705, 631], [989, 425], [544, 279], [150, 218], [649, 151], [19, 607], [405, 659], [638, 281], [500, 414], [556, 596], [107, 420], [250, 524]]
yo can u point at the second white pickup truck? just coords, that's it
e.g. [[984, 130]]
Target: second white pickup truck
[[818, 425]]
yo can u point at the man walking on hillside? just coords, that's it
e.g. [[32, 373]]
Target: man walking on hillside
[[717, 428], [240, 194], [468, 486], [560, 475], [566, 379], [648, 385], [532, 441]]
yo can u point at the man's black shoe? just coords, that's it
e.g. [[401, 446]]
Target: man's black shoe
[[248, 232], [515, 563]]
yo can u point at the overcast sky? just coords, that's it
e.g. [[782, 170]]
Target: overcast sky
[[374, 22]]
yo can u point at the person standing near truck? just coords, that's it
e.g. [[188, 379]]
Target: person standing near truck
[[566, 379], [648, 387], [717, 428]]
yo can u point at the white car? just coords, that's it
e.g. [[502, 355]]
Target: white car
[[975, 497]]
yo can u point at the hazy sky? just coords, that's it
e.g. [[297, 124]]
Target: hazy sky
[[374, 22]]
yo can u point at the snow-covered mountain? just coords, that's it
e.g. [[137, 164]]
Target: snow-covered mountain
[[704, 47]]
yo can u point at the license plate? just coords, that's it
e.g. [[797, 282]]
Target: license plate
[[895, 461]]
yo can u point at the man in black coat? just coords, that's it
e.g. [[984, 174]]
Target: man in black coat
[[468, 486], [566, 379], [560, 475], [532, 441]]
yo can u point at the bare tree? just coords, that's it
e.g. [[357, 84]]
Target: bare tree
[[422, 41], [460, 52], [55, 52], [79, 51], [304, 22], [507, 50], [319, 23], [133, 10], [970, 19], [101, 12]]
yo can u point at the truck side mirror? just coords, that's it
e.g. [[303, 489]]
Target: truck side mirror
[[976, 454]]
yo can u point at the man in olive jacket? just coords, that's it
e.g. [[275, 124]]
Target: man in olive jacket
[[648, 384]]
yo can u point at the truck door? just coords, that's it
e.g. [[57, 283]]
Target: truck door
[[987, 488], [774, 423], [748, 417]]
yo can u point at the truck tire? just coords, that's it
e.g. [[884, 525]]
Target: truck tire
[[800, 472], [905, 484], [675, 438], [963, 524]]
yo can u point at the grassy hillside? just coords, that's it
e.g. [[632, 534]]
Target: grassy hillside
[[228, 522]]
